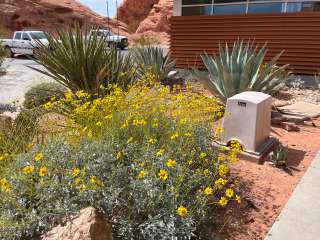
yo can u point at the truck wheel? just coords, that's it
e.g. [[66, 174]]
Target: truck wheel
[[9, 53]]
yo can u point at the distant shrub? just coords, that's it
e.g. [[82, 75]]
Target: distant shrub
[[3, 55], [42, 93], [145, 41], [152, 63]]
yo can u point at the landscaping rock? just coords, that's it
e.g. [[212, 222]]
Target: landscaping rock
[[290, 127], [88, 225], [301, 109]]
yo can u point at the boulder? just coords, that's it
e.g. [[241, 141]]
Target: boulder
[[88, 225]]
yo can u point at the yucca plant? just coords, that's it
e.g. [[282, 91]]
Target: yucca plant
[[153, 60], [242, 69], [84, 62]]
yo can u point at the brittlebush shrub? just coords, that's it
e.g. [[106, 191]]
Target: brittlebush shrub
[[144, 158]]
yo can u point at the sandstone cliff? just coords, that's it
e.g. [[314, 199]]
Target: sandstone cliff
[[50, 15], [151, 16]]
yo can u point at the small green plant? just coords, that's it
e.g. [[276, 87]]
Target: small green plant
[[152, 61], [42, 93], [82, 62], [280, 156], [144, 41], [243, 68]]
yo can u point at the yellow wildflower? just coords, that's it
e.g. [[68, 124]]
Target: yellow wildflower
[[99, 124], [174, 136], [223, 201], [171, 163], [82, 188], [238, 199], [182, 211], [203, 155], [163, 175], [141, 174], [208, 191], [190, 162], [76, 172], [206, 172], [90, 134], [119, 155], [5, 185], [229, 193], [93, 179], [183, 121], [130, 140], [28, 170], [220, 182], [223, 170], [43, 171], [160, 152], [188, 134], [47, 106], [38, 157], [221, 158], [68, 96], [152, 141], [4, 156], [142, 164]]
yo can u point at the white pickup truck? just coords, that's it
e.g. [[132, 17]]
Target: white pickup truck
[[24, 42], [114, 40]]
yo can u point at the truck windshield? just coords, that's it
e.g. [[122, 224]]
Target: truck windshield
[[38, 35]]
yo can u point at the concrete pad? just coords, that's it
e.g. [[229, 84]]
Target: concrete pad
[[301, 109], [18, 80], [300, 218]]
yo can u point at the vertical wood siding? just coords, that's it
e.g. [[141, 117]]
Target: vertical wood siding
[[298, 34]]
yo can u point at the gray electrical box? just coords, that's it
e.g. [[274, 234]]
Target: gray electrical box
[[248, 120]]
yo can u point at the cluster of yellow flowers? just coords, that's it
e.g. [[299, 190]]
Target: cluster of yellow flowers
[[30, 169]]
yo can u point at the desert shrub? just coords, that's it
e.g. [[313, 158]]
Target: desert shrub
[[243, 68], [153, 61], [3, 55], [144, 41], [17, 137], [82, 62], [144, 158], [43, 93]]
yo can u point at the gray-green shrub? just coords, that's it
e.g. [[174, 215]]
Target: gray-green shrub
[[42, 93]]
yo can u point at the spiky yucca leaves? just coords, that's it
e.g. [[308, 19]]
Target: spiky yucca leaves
[[83, 62], [242, 69], [153, 60]]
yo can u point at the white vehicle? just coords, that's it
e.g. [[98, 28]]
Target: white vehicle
[[114, 40], [24, 42]]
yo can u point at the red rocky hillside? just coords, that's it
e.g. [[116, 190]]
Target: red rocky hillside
[[151, 17], [49, 15]]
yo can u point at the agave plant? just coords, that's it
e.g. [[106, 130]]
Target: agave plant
[[153, 60], [82, 62], [242, 69]]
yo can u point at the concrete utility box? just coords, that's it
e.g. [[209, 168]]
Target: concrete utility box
[[248, 119]]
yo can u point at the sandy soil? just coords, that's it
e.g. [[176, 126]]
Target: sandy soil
[[266, 189]]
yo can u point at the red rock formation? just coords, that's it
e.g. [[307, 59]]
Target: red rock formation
[[152, 17], [49, 15]]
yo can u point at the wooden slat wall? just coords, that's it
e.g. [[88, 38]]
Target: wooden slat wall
[[296, 33]]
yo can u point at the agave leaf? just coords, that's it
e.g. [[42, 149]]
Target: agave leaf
[[240, 69]]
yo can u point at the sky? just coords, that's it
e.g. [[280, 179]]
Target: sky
[[100, 6]]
